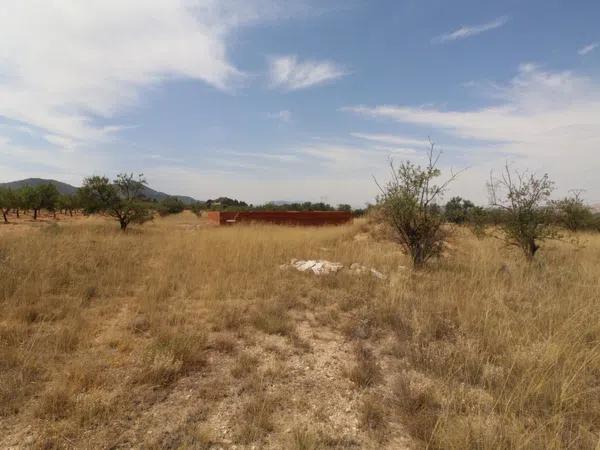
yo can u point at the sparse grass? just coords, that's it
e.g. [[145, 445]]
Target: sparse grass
[[256, 419], [478, 350], [367, 371], [245, 365], [272, 318], [305, 439], [373, 417]]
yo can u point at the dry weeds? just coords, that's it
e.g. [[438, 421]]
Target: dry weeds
[[180, 335]]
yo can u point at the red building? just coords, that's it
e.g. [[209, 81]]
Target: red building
[[280, 217]]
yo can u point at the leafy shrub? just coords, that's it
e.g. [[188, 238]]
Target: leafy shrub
[[170, 205], [526, 214], [408, 203]]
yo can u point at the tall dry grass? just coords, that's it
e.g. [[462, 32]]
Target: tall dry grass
[[481, 350]]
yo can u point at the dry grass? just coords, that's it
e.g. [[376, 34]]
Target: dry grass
[[100, 330], [366, 372]]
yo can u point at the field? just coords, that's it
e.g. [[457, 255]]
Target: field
[[177, 334]]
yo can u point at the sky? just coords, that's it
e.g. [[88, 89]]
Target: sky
[[299, 99]]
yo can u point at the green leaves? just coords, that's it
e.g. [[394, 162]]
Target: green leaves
[[121, 199], [408, 202]]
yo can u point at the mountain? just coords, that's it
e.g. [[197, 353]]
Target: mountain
[[68, 189], [157, 195], [63, 188]]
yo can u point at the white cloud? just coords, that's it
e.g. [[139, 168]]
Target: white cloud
[[284, 115], [548, 120], [588, 48], [63, 142], [392, 139], [66, 63], [472, 30], [286, 72], [355, 158], [280, 157]]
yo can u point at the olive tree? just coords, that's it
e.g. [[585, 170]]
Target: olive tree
[[408, 203], [458, 210], [524, 200], [572, 213], [8, 201], [68, 203], [170, 205], [121, 199], [36, 198]]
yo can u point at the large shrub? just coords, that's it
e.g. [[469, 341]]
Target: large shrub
[[524, 200], [408, 204]]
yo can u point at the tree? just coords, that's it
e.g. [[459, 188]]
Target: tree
[[18, 201], [8, 201], [68, 203], [408, 204], [122, 199], [572, 213], [170, 205], [43, 196], [457, 210], [476, 220], [197, 207], [344, 207], [523, 199]]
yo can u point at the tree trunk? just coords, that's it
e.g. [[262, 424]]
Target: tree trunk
[[35, 211], [123, 224], [4, 215], [18, 213], [531, 249]]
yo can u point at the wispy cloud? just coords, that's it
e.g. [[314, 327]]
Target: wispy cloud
[[280, 157], [290, 74], [63, 93], [283, 115], [588, 48], [392, 139], [549, 120], [470, 30]]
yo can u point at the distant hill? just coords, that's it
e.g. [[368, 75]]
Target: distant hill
[[68, 189], [63, 188]]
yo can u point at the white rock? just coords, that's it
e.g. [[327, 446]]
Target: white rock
[[303, 266], [318, 267], [378, 274]]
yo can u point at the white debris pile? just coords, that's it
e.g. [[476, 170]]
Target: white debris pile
[[359, 269], [317, 266], [324, 267]]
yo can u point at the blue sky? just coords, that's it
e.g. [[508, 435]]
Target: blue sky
[[299, 99]]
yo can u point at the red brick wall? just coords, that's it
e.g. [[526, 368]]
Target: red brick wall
[[281, 217]]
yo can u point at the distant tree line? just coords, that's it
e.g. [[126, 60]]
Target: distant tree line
[[228, 204], [34, 199], [520, 206], [123, 199]]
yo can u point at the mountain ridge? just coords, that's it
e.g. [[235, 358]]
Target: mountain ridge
[[68, 189]]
